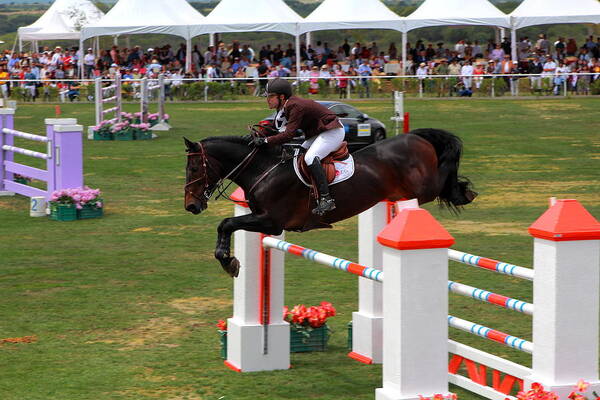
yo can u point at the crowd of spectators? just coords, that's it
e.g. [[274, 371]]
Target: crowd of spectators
[[557, 61]]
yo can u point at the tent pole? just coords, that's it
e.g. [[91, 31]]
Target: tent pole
[[308, 39], [80, 61], [211, 39], [404, 41], [513, 44], [188, 55], [97, 40], [116, 40], [298, 61], [502, 34], [20, 45]]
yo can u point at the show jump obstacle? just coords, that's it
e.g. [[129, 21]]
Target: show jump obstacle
[[113, 93], [412, 342], [64, 156]]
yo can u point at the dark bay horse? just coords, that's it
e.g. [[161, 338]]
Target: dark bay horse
[[422, 164]]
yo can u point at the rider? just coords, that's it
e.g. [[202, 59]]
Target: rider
[[323, 132]]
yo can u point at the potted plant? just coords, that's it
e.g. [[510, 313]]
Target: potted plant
[[103, 131], [23, 180], [122, 131], [154, 119], [141, 131], [308, 326], [77, 203], [222, 326]]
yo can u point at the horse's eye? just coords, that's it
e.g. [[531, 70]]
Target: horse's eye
[[194, 170]]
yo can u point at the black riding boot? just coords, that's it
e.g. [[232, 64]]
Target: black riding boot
[[325, 203]]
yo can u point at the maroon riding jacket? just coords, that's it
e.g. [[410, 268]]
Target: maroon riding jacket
[[308, 115]]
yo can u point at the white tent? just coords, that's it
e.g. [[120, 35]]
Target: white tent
[[351, 14], [56, 28], [456, 12], [173, 17], [252, 16], [453, 12], [249, 16], [131, 17], [63, 20], [539, 12]]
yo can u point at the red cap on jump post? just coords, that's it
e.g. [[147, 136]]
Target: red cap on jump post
[[414, 229], [57, 111], [406, 125], [566, 220], [239, 197]]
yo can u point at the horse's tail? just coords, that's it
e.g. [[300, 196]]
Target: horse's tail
[[456, 190]]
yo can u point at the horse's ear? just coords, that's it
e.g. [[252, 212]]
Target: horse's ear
[[192, 147]]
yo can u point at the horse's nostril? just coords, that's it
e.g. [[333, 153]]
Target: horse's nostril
[[191, 208]]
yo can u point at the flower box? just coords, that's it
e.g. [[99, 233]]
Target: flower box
[[315, 341], [143, 135], [349, 343], [90, 211], [223, 340], [103, 135], [125, 134], [63, 212]]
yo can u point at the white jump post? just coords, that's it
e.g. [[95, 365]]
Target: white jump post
[[415, 306], [147, 87], [258, 339], [367, 322], [566, 294]]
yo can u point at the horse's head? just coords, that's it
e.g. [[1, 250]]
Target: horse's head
[[200, 178]]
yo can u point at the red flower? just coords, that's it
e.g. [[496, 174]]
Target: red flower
[[581, 385], [222, 325]]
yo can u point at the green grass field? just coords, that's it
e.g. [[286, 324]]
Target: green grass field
[[124, 307]]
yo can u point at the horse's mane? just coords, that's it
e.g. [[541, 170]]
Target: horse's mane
[[228, 139], [273, 151]]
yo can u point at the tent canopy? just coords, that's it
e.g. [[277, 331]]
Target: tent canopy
[[249, 16], [55, 29], [456, 12], [173, 17], [539, 12], [351, 14], [63, 20]]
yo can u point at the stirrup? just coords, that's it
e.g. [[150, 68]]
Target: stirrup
[[325, 204]]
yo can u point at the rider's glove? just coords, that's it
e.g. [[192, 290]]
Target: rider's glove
[[259, 141]]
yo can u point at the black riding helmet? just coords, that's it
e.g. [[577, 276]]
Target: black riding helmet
[[279, 86]]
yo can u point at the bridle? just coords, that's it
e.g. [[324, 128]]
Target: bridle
[[209, 191]]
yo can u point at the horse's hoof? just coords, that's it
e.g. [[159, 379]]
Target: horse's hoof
[[231, 265]]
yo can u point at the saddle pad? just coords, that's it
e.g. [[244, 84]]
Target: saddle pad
[[343, 169]]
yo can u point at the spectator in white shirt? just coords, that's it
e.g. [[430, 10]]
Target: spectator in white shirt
[[467, 74], [89, 61]]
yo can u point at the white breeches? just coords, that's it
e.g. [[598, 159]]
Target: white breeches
[[323, 144]]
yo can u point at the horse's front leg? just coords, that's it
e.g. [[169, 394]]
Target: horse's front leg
[[249, 222]]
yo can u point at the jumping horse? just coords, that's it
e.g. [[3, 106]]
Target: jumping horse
[[422, 164]]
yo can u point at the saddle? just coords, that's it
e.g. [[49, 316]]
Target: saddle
[[328, 164]]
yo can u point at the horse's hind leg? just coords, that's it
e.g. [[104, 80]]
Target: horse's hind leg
[[249, 222]]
